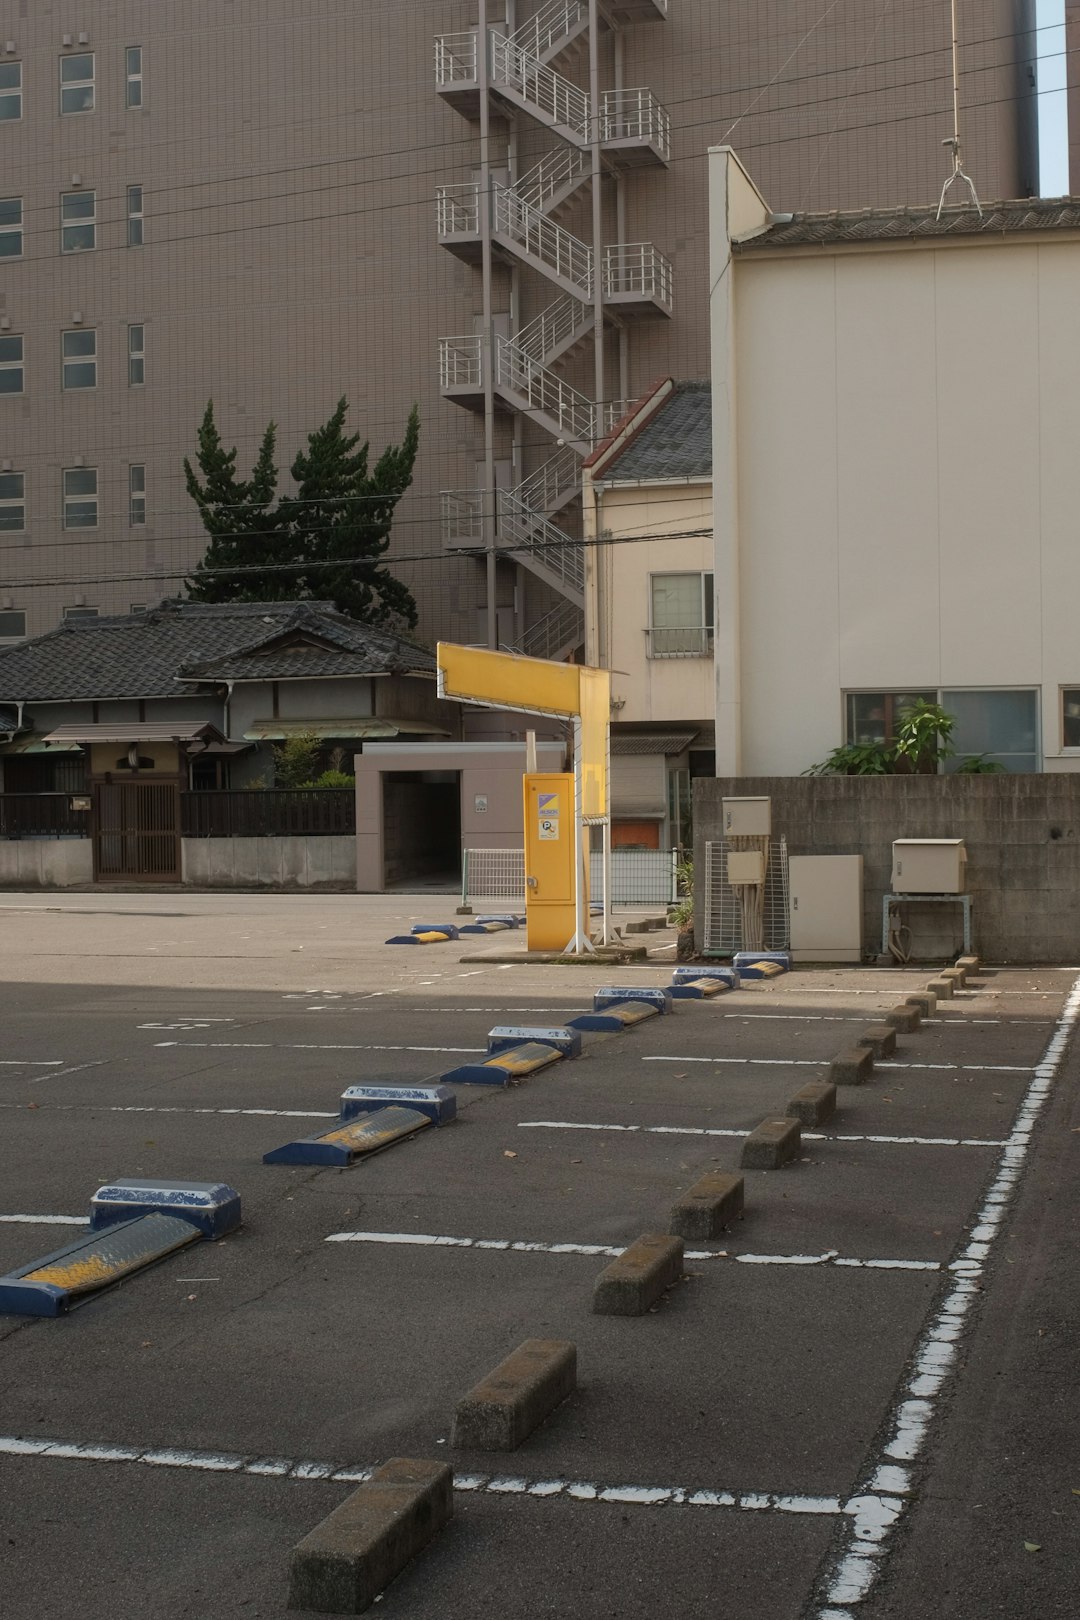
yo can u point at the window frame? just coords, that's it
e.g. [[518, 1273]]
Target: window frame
[[12, 502], [12, 230], [80, 223], [5, 637], [940, 695], [18, 365], [69, 85], [136, 355], [136, 495], [80, 613], [79, 498], [135, 218], [87, 358], [15, 91], [1068, 748], [707, 628], [133, 78]]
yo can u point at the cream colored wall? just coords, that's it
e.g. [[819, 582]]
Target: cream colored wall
[[906, 454], [657, 689]]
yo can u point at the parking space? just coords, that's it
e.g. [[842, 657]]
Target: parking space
[[717, 1449]]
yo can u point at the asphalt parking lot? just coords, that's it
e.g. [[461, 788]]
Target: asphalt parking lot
[[741, 1448]]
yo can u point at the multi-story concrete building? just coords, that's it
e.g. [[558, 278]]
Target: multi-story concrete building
[[237, 199]]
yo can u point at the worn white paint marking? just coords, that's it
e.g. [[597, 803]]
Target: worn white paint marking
[[31, 1063], [821, 1063], [310, 1046], [151, 1108], [432, 1240], [224, 1462], [44, 1220], [717, 1130], [58, 1074], [858, 1560]]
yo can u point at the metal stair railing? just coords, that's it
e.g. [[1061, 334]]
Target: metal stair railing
[[554, 328], [635, 115], [637, 267], [552, 22], [530, 531], [461, 361], [551, 483], [557, 171], [462, 515], [555, 99], [456, 58], [563, 253], [563, 627], [545, 391], [458, 209]]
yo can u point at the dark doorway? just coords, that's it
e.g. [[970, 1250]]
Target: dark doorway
[[136, 831], [422, 830]]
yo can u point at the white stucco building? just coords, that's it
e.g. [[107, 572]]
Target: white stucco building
[[895, 413]]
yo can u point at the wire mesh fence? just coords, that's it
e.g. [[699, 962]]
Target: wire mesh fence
[[639, 877], [723, 913]]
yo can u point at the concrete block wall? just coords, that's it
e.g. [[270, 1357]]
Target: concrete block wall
[[45, 863], [1023, 844], [268, 863]]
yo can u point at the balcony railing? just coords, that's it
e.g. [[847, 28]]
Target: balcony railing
[[632, 268], [456, 58], [462, 515], [457, 210], [461, 361], [635, 115], [679, 641]]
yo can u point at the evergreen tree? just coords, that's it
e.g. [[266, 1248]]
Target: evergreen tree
[[241, 519], [340, 519]]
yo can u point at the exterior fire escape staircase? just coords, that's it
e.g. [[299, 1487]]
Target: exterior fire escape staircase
[[523, 222]]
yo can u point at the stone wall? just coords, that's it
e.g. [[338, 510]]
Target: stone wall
[[1022, 835]]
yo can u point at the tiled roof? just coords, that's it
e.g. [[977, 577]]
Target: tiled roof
[[676, 441], [651, 742], [912, 224], [9, 718], [143, 655]]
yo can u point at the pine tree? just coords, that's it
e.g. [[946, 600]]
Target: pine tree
[[239, 515], [340, 518]]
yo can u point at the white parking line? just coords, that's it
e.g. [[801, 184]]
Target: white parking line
[[31, 1063], [164, 1108], [879, 1063], [716, 1130], [508, 1245], [44, 1220], [223, 1462], [311, 1046]]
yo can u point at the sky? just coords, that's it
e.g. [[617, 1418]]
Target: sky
[[1053, 135]]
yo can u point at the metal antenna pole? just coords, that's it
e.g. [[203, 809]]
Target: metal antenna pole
[[953, 140]]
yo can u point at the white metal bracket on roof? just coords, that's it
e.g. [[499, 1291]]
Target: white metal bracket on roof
[[953, 140]]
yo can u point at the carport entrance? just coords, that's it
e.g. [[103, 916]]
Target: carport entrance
[[421, 829]]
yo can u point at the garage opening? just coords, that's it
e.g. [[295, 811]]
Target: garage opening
[[422, 830]]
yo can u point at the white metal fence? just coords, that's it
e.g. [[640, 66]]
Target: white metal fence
[[723, 916], [639, 877]]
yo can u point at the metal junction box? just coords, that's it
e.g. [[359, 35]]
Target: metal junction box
[[747, 818], [826, 908], [928, 866]]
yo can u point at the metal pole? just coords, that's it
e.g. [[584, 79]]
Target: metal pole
[[487, 348], [597, 220]]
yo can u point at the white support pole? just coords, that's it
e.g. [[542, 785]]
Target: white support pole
[[607, 881], [581, 944]]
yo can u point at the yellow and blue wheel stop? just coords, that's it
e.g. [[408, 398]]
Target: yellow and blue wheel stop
[[512, 1063], [761, 964], [494, 926], [654, 996], [133, 1225], [728, 976], [566, 1041], [355, 1139], [437, 1102], [615, 1018], [426, 934], [698, 989]]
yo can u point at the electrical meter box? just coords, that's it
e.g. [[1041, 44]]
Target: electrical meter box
[[745, 866], [747, 818], [928, 866]]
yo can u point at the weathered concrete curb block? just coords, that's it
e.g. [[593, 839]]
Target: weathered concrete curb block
[[504, 1408], [905, 1019], [636, 1280], [880, 1038], [813, 1104], [942, 988], [773, 1143], [708, 1206], [852, 1068], [970, 964], [925, 1000], [958, 975], [347, 1560]]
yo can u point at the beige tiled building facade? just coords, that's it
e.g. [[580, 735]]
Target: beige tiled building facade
[[236, 199]]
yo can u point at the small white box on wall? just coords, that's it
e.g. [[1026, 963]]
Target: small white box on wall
[[928, 866]]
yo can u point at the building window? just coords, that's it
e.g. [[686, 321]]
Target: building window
[[875, 717], [80, 498], [136, 356], [682, 615], [136, 607], [11, 365], [77, 83], [136, 496], [78, 221], [11, 223], [10, 90], [133, 63], [81, 613], [1070, 717], [80, 359], [134, 216], [999, 725], [12, 625], [12, 502]]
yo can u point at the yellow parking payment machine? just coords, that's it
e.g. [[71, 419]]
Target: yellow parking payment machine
[[551, 853]]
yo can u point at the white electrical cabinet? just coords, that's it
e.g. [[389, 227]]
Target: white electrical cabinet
[[826, 907], [928, 866], [747, 818]]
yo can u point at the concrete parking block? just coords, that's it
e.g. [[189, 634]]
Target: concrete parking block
[[504, 1408], [958, 975], [707, 1207], [813, 1104], [880, 1038], [347, 1560], [636, 1280], [942, 988], [970, 964], [925, 1000], [905, 1019], [852, 1068], [773, 1143]]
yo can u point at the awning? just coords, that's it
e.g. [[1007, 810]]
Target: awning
[[375, 728], [33, 742], [651, 742], [137, 731]]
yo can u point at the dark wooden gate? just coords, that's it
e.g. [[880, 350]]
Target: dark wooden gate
[[136, 832]]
